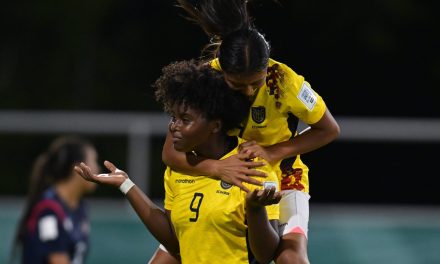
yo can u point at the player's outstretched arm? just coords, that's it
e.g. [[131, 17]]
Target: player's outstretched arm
[[154, 218], [235, 169]]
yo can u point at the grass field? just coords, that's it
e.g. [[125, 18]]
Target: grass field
[[340, 234]]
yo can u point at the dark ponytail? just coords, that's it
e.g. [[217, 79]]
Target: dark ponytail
[[218, 17], [239, 46], [53, 166]]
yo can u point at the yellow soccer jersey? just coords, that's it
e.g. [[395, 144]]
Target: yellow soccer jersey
[[208, 216], [273, 117]]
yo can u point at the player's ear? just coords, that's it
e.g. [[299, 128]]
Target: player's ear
[[215, 126]]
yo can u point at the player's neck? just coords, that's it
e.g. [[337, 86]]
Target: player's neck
[[70, 195]]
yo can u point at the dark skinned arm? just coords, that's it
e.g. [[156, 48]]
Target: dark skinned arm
[[234, 169], [262, 233], [157, 221], [154, 218], [321, 133]]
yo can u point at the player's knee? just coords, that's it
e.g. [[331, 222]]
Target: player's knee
[[292, 250]]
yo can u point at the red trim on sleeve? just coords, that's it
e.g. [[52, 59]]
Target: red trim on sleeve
[[40, 207]]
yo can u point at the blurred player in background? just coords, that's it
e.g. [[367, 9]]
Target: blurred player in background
[[280, 98], [54, 227], [205, 220]]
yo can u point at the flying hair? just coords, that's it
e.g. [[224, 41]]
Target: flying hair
[[235, 41], [218, 18]]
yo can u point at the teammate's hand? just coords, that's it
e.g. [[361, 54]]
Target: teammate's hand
[[115, 178], [258, 198], [237, 169], [254, 150]]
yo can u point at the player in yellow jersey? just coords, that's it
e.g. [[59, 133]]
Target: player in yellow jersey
[[280, 98], [206, 220]]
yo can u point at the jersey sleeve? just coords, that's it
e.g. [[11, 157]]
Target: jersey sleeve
[[300, 98], [273, 211], [51, 232], [169, 195]]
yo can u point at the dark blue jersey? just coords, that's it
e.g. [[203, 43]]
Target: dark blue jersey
[[55, 228]]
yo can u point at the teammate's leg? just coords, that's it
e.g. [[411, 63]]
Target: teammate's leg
[[294, 217]]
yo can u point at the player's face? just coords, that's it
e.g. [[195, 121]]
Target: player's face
[[190, 130], [246, 83]]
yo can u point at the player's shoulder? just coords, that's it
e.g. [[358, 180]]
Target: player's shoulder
[[284, 78], [46, 211], [170, 174], [282, 69], [49, 206]]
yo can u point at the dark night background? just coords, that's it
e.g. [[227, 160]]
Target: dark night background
[[365, 58]]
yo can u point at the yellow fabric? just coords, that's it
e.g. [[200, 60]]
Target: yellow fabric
[[209, 216], [296, 98]]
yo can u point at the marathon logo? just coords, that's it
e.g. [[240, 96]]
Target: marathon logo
[[187, 181]]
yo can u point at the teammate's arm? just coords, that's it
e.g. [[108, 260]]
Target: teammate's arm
[[321, 133], [234, 169]]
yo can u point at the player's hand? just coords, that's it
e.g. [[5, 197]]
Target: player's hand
[[254, 150], [237, 169], [115, 178], [259, 198]]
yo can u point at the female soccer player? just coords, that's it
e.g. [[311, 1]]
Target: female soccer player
[[206, 220], [279, 98], [54, 227]]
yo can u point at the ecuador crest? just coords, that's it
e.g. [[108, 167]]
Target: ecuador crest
[[258, 114]]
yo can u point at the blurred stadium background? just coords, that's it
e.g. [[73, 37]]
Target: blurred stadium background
[[86, 68]]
